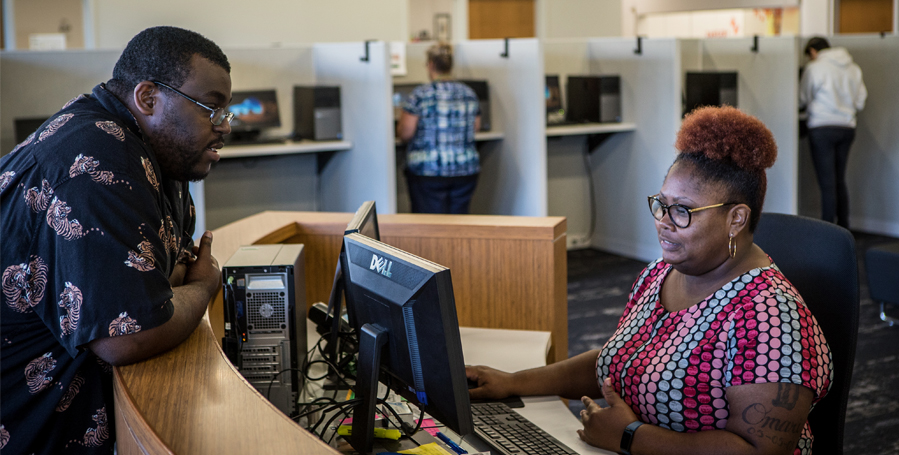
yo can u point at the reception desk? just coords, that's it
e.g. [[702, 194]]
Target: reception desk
[[508, 272]]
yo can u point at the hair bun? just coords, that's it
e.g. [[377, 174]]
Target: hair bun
[[726, 133]]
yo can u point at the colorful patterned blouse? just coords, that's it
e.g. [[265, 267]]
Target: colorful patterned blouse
[[91, 233], [443, 145], [673, 368]]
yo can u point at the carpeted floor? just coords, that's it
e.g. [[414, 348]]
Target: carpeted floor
[[598, 286]]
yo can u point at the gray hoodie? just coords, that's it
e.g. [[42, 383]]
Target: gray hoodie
[[832, 89]]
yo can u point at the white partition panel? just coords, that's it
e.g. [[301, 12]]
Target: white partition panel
[[873, 174], [240, 187], [38, 84], [368, 170], [630, 166], [568, 186], [767, 88], [513, 169]]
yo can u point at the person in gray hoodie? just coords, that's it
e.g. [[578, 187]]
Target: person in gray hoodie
[[832, 91]]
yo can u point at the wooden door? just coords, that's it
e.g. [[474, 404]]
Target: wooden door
[[491, 19], [865, 16]]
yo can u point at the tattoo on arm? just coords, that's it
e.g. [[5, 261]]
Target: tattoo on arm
[[779, 432], [787, 396]]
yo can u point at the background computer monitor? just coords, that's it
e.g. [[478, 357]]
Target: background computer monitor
[[553, 95], [26, 126], [710, 88], [400, 93], [408, 335], [482, 90], [254, 111]]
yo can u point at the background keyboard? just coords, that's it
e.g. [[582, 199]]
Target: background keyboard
[[509, 433]]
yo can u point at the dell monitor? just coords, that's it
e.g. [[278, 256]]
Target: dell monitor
[[254, 111], [365, 222], [408, 335]]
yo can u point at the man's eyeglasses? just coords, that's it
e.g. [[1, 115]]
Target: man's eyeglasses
[[216, 116], [680, 215]]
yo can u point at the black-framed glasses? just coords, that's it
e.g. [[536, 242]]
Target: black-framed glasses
[[679, 214], [216, 116]]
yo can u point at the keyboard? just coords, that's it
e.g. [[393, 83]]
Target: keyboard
[[509, 433]]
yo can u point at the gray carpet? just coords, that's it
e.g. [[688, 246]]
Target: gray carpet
[[598, 286]]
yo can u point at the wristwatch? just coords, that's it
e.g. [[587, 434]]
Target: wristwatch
[[628, 437]]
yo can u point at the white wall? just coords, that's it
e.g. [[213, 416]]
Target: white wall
[[578, 18], [233, 23], [421, 16], [632, 10]]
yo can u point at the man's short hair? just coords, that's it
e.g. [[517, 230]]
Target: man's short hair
[[817, 43], [164, 54]]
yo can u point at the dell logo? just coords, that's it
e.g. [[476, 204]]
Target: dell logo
[[381, 265]]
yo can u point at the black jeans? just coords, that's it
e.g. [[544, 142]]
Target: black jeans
[[830, 153], [450, 195]]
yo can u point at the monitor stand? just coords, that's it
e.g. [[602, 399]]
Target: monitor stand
[[372, 340]]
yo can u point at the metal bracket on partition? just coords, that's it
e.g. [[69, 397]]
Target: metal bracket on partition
[[639, 49], [505, 53], [365, 58], [755, 44]]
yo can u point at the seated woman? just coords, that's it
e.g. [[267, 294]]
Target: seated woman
[[716, 352]]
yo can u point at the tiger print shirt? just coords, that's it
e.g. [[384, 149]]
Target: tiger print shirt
[[91, 232]]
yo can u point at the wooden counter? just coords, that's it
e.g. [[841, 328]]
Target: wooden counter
[[508, 272]]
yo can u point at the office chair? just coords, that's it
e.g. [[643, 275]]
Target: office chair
[[819, 258]]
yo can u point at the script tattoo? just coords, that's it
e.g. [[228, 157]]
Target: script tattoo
[[787, 396], [781, 433]]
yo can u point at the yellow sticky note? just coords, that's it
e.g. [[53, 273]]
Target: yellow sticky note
[[428, 449]]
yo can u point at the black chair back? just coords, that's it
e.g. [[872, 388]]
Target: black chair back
[[819, 258]]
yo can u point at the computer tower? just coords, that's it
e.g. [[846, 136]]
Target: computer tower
[[265, 319], [482, 90], [316, 113], [710, 89], [593, 99]]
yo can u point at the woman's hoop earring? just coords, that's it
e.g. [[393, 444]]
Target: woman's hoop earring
[[731, 246]]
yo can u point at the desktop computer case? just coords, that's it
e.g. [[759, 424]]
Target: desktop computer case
[[267, 309], [316, 113], [594, 99], [710, 88]]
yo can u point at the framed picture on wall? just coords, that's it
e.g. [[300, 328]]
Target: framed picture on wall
[[442, 29]]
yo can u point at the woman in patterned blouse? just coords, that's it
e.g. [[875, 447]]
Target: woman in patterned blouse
[[716, 352]]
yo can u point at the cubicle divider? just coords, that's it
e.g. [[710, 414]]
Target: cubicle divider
[[368, 170], [629, 167], [513, 167], [873, 172], [767, 88]]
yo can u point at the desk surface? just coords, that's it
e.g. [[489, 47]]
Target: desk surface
[[589, 128], [515, 350], [286, 148]]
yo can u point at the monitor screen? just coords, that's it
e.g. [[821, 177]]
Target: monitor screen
[[254, 110], [553, 94], [408, 335], [400, 93], [26, 126]]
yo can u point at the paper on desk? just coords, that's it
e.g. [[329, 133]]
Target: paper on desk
[[503, 349], [428, 449]]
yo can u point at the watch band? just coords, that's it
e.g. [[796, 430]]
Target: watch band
[[627, 438]]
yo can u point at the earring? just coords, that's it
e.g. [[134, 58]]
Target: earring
[[731, 246]]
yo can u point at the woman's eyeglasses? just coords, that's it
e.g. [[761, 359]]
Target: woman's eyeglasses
[[680, 215]]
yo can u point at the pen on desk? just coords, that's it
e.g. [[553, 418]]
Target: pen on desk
[[452, 444]]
